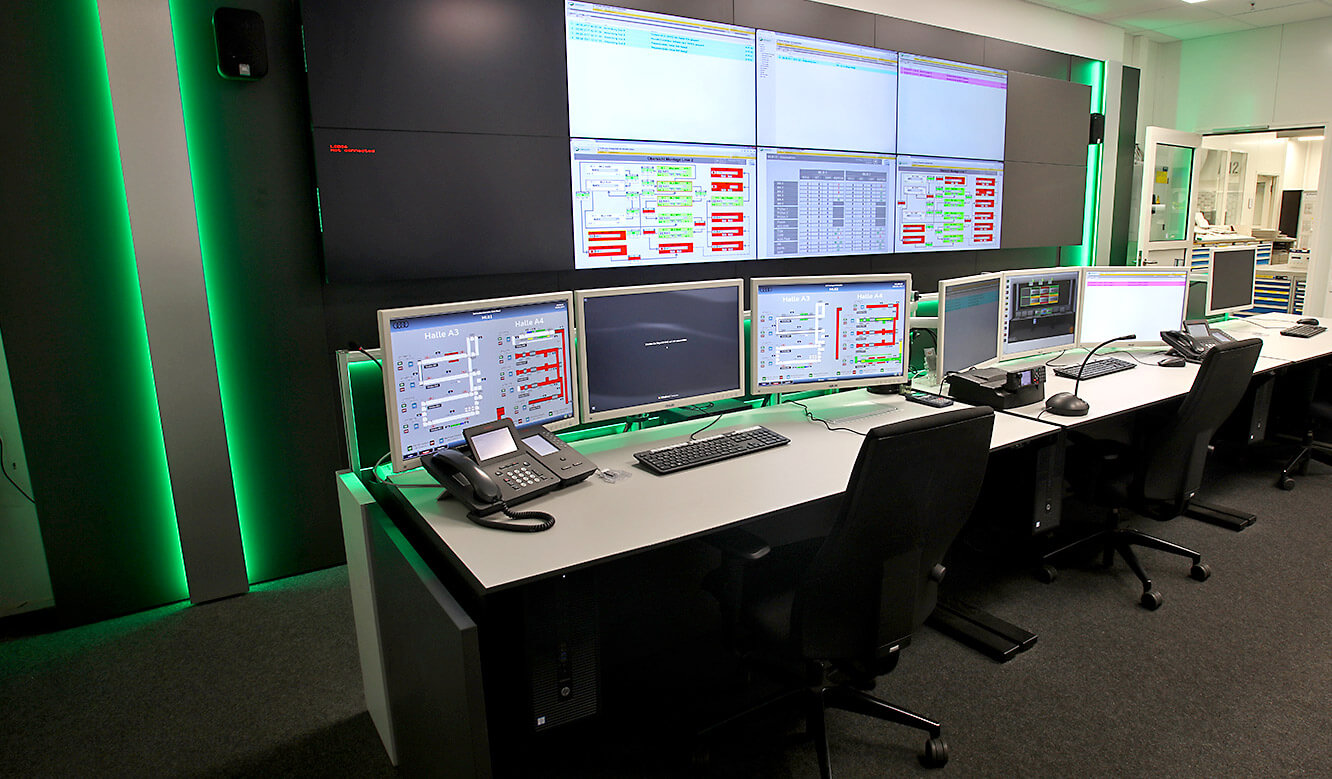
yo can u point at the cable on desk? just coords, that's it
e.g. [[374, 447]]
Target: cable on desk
[[810, 416], [9, 478], [705, 427]]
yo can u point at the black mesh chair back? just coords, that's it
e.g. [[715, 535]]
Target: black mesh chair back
[[1172, 466], [911, 490]]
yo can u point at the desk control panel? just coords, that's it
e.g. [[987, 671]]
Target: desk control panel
[[722, 446]]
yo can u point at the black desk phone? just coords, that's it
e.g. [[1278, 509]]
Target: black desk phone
[[506, 471], [1195, 340]]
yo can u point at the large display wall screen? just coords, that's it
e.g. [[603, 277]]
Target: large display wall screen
[[686, 140]]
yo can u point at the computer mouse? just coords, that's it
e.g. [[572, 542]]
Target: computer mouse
[[1172, 362], [1307, 321], [1066, 404]]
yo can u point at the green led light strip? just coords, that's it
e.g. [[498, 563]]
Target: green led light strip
[[1093, 75]]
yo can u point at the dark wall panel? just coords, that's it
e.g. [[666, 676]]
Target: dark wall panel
[[1026, 59], [1125, 136], [1044, 213], [1047, 121], [801, 17], [917, 38], [457, 65], [400, 204], [250, 157]]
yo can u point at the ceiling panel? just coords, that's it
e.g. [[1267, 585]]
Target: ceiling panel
[[1170, 20]]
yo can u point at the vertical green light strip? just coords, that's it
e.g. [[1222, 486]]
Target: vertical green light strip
[[1092, 74], [158, 506], [228, 352]]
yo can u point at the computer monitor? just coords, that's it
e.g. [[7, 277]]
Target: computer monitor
[[968, 331], [1230, 280], [1142, 301], [659, 346], [452, 366], [825, 332], [1040, 311]]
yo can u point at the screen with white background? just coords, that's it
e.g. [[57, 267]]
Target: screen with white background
[[654, 77], [1119, 301], [820, 94], [950, 109]]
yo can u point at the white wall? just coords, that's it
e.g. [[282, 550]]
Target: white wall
[[1272, 77]]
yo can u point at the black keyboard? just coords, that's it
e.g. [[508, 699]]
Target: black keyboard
[[722, 446], [1304, 331], [1101, 367]]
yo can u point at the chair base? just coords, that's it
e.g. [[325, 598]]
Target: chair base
[[819, 698], [1121, 541], [1299, 464]]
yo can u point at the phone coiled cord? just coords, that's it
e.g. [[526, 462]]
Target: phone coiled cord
[[546, 521]]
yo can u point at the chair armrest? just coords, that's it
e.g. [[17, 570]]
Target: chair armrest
[[739, 545]]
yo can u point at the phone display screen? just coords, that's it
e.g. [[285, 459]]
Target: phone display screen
[[540, 445], [492, 444], [1197, 329]]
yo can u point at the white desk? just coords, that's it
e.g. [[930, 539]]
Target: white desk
[[598, 521], [1275, 345], [1117, 393]]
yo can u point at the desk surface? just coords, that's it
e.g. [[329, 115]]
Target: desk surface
[[597, 520], [1282, 347], [1145, 385]]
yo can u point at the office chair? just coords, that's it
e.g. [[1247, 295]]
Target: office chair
[[1158, 472], [1317, 418], [841, 618]]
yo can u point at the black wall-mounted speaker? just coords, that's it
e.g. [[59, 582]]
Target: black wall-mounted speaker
[[242, 49], [1097, 133]]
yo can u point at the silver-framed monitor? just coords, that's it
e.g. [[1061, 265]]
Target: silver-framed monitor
[[1231, 276], [1139, 300], [968, 331], [450, 366], [1038, 311], [826, 332], [657, 346]]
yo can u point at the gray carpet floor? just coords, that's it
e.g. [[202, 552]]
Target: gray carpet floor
[[1231, 677]]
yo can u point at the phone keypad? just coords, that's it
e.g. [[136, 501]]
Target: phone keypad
[[519, 475]]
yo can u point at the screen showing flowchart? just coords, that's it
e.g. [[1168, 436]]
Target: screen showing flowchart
[[458, 369], [821, 332], [661, 203], [947, 204]]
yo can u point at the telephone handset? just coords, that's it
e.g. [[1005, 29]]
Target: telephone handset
[[1195, 340], [504, 472]]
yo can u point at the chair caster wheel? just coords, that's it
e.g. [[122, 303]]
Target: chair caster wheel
[[936, 753], [1046, 574], [1286, 483], [1200, 572], [1152, 600]]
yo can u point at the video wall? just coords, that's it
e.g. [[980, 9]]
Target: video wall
[[622, 138]]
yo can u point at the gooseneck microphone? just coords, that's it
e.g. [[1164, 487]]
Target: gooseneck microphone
[[1068, 404]]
